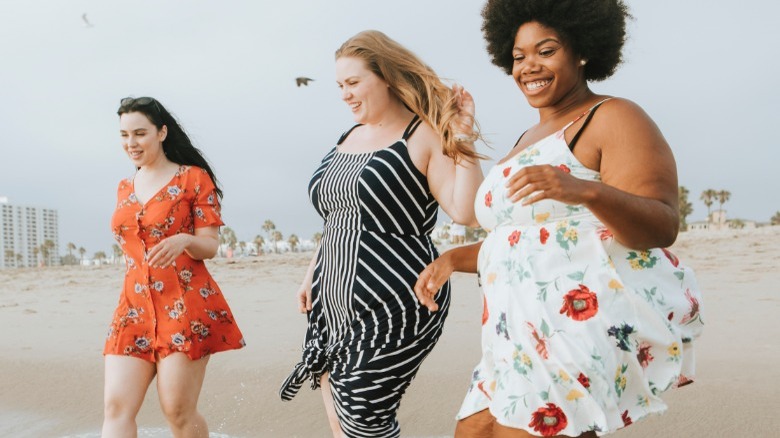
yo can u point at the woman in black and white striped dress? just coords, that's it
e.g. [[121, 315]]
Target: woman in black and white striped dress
[[379, 191]]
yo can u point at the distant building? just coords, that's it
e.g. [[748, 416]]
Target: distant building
[[718, 221], [23, 231]]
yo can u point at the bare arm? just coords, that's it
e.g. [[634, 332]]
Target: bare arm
[[200, 246], [455, 185], [461, 259], [637, 198]]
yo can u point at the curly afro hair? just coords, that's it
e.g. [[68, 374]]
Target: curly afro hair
[[594, 29]]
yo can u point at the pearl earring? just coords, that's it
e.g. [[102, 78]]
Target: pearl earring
[[583, 61]]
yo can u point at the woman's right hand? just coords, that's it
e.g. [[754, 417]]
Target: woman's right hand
[[304, 296], [431, 279]]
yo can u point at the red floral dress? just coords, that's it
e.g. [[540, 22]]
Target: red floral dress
[[178, 308]]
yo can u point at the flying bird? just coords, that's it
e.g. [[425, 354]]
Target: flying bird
[[302, 81], [86, 21]]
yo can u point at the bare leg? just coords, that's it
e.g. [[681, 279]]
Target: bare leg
[[330, 407], [484, 425], [126, 381], [179, 381], [479, 425]]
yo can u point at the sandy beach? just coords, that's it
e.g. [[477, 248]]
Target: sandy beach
[[54, 321]]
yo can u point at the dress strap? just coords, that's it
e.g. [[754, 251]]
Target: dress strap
[[589, 113], [413, 125], [519, 138], [346, 134]]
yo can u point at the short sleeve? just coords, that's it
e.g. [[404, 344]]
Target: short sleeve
[[205, 208]]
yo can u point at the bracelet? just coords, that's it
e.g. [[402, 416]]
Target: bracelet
[[464, 138]]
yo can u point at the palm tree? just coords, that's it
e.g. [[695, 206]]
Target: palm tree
[[723, 197], [293, 241], [317, 238], [71, 247], [82, 251], [269, 227], [228, 237], [686, 208], [259, 242], [99, 256], [9, 256], [117, 250], [708, 197], [36, 251], [19, 258], [277, 237], [775, 219], [48, 251]]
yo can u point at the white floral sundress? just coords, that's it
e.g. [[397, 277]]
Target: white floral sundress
[[579, 333]]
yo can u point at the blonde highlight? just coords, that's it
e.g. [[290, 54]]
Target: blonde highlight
[[414, 83]]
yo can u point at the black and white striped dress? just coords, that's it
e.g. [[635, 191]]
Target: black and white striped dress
[[366, 327]]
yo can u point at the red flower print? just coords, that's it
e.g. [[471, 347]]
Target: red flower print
[[604, 233], [580, 304], [514, 238], [481, 386], [548, 420], [643, 355], [626, 419], [672, 258], [485, 313], [694, 312], [541, 341], [670, 316], [584, 380], [543, 235], [506, 171], [564, 168], [488, 199]]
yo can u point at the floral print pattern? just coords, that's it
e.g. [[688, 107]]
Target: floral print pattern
[[173, 309], [579, 333]]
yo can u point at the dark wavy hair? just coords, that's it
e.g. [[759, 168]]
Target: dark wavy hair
[[594, 29], [177, 146]]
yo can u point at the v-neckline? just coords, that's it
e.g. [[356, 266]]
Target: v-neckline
[[179, 171]]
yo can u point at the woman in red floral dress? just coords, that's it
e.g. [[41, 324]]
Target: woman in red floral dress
[[171, 314]]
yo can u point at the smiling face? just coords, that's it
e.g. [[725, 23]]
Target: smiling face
[[367, 95], [141, 139], [545, 68]]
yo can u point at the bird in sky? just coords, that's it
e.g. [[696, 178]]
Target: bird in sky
[[302, 81], [86, 21]]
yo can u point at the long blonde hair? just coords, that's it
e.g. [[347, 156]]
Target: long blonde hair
[[414, 83]]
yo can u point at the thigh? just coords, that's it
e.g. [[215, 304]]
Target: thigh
[[479, 425], [500, 431], [179, 379], [126, 380]]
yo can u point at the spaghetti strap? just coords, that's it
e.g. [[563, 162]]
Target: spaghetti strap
[[416, 122], [590, 113], [346, 134]]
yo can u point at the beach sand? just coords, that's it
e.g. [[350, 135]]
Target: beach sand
[[54, 320]]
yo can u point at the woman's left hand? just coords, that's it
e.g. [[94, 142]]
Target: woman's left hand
[[165, 252], [536, 183], [463, 123]]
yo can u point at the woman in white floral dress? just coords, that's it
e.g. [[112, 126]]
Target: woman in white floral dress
[[587, 319]]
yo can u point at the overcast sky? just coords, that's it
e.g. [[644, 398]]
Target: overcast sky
[[707, 72]]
